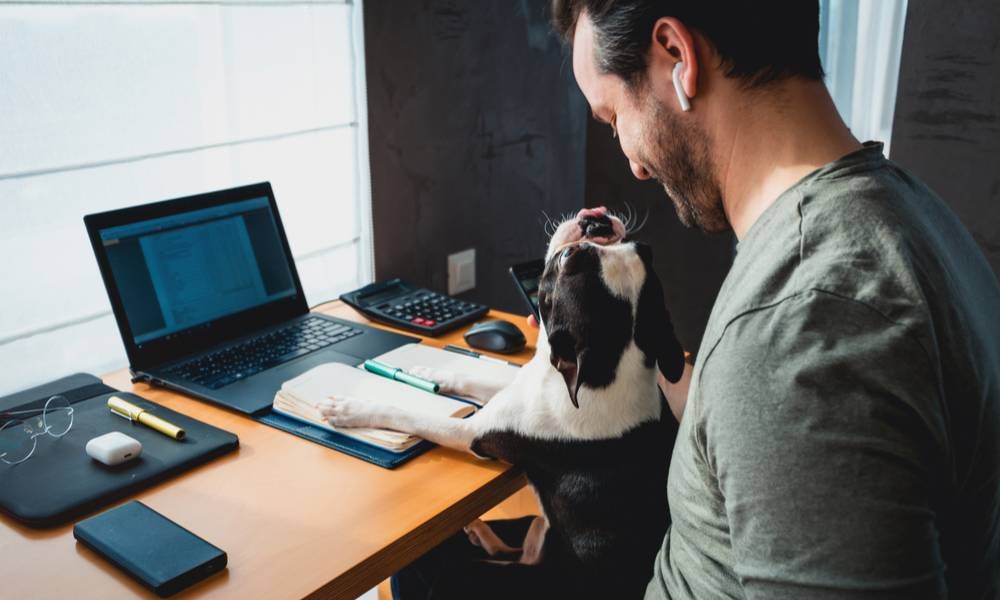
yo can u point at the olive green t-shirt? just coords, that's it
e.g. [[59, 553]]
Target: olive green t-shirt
[[842, 433]]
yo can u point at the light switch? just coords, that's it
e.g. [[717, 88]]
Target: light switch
[[461, 271]]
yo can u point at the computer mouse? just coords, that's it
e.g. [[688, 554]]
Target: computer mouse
[[495, 336]]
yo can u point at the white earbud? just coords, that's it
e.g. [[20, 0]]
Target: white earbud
[[681, 96]]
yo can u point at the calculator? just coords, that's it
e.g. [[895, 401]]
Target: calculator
[[400, 304]]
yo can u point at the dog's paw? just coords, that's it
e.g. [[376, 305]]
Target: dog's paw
[[450, 382], [348, 412]]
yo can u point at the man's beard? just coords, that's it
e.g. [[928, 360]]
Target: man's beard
[[680, 161]]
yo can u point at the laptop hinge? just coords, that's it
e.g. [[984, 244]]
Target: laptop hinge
[[140, 377]]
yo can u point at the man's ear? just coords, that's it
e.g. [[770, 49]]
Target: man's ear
[[673, 42], [654, 333]]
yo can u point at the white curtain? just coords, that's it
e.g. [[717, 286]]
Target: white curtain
[[860, 44], [111, 104]]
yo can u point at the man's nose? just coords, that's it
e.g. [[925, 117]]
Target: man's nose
[[639, 171]]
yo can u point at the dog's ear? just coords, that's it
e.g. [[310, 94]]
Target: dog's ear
[[570, 371], [654, 333], [567, 361]]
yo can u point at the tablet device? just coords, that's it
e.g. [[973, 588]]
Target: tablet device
[[150, 547], [526, 276]]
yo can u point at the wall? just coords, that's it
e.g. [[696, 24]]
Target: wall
[[947, 125], [476, 130]]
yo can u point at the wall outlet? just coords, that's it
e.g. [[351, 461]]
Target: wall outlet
[[461, 271]]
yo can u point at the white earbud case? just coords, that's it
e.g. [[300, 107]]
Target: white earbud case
[[114, 448]]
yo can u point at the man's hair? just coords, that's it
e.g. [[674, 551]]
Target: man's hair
[[758, 41]]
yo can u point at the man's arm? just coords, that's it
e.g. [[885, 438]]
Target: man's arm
[[823, 425], [676, 393]]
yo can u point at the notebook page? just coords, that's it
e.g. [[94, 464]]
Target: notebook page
[[338, 380], [408, 356]]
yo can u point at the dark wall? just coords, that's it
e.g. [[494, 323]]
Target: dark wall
[[946, 128], [476, 127], [690, 264]]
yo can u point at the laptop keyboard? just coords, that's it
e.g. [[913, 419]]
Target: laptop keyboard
[[234, 363]]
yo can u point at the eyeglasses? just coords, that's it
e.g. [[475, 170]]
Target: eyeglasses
[[19, 437]]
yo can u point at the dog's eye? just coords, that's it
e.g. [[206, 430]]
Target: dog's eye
[[566, 253]]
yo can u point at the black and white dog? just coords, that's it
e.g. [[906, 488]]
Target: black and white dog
[[584, 419]]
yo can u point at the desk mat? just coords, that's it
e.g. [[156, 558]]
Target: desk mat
[[60, 482]]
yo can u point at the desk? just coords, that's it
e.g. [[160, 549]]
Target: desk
[[297, 519]]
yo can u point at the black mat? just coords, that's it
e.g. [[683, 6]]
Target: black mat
[[60, 482]]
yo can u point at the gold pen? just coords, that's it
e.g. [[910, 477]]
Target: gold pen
[[133, 413]]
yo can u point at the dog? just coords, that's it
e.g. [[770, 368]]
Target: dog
[[584, 419]]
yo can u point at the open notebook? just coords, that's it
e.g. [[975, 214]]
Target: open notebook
[[299, 398]]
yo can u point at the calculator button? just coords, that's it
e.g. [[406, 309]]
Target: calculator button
[[430, 323], [417, 321]]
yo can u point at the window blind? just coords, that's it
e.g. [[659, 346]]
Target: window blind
[[861, 43], [110, 104]]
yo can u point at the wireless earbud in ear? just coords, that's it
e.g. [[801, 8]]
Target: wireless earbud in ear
[[681, 96]]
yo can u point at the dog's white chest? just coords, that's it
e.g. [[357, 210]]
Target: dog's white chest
[[537, 403]]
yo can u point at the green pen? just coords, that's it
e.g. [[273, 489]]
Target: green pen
[[374, 366]]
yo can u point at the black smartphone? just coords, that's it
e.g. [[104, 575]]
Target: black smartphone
[[150, 547], [526, 276]]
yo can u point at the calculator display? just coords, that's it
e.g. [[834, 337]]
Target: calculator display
[[381, 296]]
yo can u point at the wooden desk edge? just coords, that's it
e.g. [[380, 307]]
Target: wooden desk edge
[[378, 567]]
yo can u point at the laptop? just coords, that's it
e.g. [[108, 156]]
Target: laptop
[[208, 300]]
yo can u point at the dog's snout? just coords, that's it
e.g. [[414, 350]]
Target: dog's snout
[[596, 226]]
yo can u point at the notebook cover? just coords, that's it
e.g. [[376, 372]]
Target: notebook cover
[[60, 482], [150, 547], [331, 439]]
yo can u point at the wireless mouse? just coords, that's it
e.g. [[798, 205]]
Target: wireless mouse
[[495, 336]]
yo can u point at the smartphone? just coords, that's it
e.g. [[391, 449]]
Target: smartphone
[[159, 553], [526, 276]]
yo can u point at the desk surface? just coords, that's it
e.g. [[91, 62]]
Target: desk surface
[[296, 519]]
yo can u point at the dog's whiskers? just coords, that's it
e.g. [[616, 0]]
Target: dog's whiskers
[[556, 224], [642, 224], [547, 225]]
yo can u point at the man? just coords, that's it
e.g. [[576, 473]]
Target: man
[[840, 434]]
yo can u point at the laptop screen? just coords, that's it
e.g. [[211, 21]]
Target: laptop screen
[[188, 269]]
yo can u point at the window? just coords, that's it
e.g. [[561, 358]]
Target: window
[[860, 45], [112, 104]]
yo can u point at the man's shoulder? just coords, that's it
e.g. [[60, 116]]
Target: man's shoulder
[[859, 238], [803, 322], [809, 356], [868, 235]]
